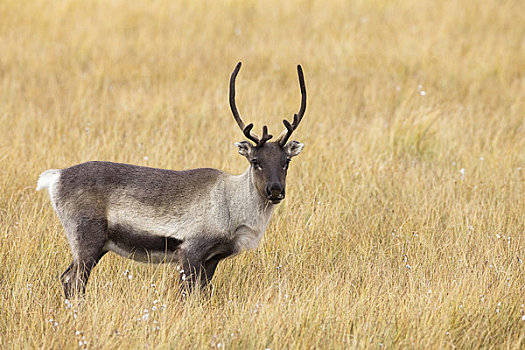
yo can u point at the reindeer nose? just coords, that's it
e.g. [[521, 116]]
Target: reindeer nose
[[275, 190]]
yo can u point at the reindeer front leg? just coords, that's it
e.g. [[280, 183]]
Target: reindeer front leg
[[190, 273], [200, 257]]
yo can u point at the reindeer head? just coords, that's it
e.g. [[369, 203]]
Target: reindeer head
[[269, 160]]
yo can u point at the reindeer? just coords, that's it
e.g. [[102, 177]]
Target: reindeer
[[195, 217]]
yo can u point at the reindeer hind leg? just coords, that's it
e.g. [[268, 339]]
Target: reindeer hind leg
[[87, 243]]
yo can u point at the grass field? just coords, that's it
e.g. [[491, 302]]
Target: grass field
[[404, 222]]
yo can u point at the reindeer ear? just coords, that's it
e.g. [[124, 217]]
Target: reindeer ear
[[293, 148], [245, 148]]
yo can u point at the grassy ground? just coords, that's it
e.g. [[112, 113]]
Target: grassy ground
[[405, 217]]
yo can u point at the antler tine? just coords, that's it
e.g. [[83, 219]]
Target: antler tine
[[247, 132], [285, 135], [265, 137], [246, 129]]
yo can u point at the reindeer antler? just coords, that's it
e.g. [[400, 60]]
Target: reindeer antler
[[265, 136], [290, 128], [246, 129], [247, 132]]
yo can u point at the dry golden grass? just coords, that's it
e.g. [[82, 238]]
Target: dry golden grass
[[405, 217]]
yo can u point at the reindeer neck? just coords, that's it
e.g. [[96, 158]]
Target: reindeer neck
[[252, 208]]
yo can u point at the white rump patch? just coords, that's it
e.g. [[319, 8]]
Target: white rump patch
[[47, 179]]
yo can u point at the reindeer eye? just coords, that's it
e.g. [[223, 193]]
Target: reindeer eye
[[285, 167], [256, 164]]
